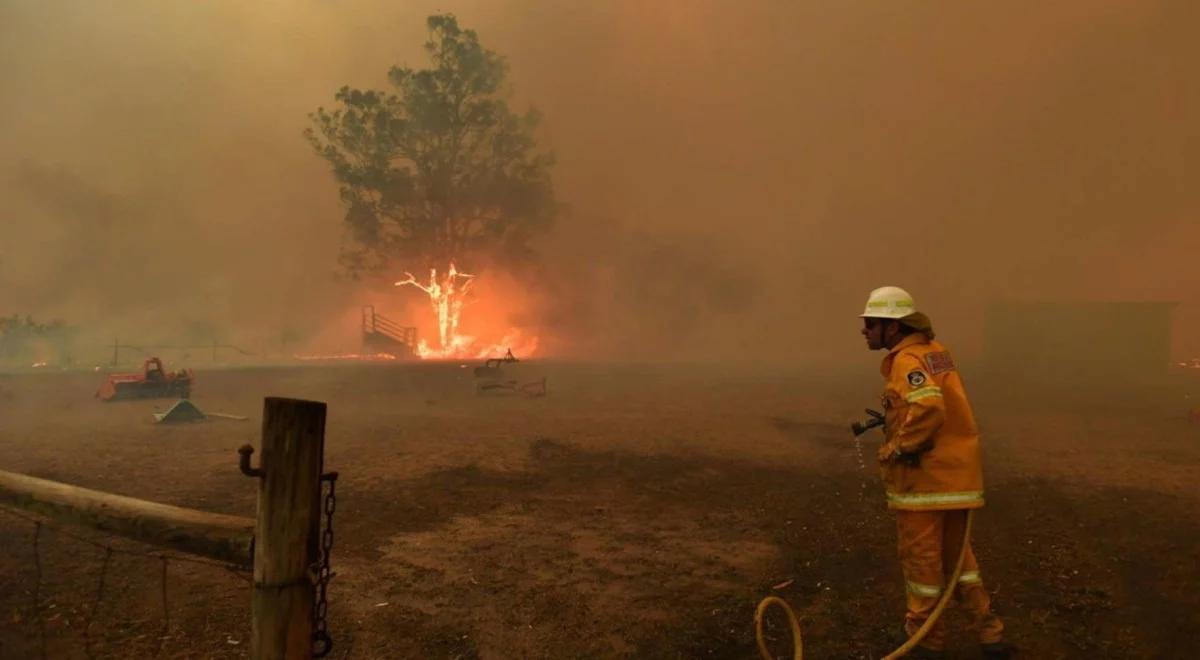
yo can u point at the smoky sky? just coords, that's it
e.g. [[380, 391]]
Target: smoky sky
[[738, 176]]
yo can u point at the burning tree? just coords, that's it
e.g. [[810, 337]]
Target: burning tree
[[438, 174]]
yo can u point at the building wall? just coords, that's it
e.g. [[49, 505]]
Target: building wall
[[1091, 340]]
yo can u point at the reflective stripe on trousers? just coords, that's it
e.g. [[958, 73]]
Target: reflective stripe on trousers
[[928, 547], [917, 500]]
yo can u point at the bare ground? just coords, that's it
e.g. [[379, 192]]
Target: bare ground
[[635, 512]]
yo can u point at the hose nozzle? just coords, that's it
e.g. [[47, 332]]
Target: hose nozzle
[[876, 419]]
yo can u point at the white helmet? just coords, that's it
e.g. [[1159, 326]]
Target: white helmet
[[889, 302]]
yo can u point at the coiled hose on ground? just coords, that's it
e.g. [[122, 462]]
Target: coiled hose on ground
[[907, 646]]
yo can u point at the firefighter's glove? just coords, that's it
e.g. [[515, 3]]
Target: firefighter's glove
[[890, 452], [887, 452]]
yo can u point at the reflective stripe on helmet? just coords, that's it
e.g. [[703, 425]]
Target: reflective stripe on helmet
[[889, 302]]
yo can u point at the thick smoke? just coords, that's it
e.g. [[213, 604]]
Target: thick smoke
[[739, 177]]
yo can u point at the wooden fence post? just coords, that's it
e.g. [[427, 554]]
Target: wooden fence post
[[287, 538]]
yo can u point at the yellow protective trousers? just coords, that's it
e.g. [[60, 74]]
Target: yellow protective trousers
[[929, 542]]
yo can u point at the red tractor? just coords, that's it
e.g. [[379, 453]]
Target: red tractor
[[153, 382]]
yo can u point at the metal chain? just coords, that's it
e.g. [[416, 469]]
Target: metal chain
[[322, 641]]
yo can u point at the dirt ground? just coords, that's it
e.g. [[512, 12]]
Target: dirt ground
[[635, 512]]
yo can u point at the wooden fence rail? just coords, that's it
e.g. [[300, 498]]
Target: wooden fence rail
[[283, 544], [213, 535]]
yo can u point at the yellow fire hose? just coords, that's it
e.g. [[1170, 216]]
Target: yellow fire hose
[[898, 653]]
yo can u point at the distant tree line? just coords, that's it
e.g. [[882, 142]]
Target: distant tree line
[[23, 339]]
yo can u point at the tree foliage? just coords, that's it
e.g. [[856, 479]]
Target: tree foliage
[[440, 169], [24, 339]]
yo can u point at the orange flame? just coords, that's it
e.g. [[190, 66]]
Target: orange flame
[[448, 297], [347, 356]]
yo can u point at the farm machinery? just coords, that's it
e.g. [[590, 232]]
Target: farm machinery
[[491, 378], [153, 382]]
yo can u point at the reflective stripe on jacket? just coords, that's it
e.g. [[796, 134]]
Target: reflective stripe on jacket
[[928, 414]]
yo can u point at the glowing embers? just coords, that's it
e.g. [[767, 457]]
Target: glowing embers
[[448, 295], [366, 357]]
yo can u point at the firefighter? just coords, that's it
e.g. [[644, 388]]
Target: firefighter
[[931, 469]]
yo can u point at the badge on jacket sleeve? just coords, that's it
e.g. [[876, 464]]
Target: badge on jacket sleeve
[[916, 378], [939, 362]]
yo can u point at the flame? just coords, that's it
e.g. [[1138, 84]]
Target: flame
[[348, 356], [449, 296], [464, 346], [448, 300]]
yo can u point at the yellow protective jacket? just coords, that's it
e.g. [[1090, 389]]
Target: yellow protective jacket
[[928, 416]]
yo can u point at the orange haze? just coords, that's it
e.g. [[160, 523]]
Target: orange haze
[[738, 175]]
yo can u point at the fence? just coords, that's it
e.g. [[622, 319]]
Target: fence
[[145, 351], [285, 545], [383, 335]]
